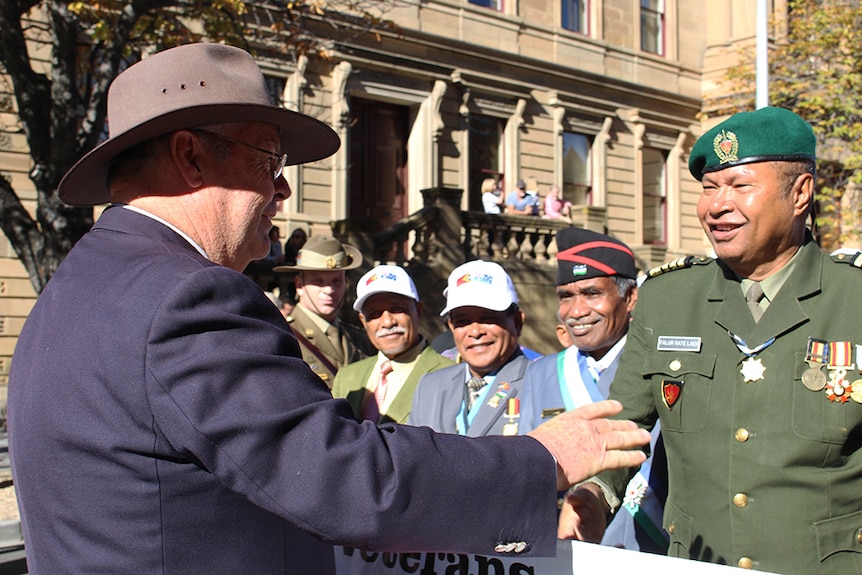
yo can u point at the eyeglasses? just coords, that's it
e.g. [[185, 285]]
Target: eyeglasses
[[280, 161]]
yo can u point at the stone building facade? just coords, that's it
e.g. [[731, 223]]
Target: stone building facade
[[601, 97]]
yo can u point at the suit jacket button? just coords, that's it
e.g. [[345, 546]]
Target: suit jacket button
[[745, 563], [742, 435], [740, 499]]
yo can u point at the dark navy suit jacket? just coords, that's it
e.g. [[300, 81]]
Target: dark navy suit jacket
[[161, 421]]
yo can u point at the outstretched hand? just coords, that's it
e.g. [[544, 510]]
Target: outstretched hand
[[584, 514], [585, 443]]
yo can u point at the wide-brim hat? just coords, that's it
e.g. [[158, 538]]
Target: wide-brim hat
[[325, 254], [185, 87]]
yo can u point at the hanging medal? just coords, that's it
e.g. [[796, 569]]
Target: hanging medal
[[839, 388], [816, 356], [751, 368], [513, 412]]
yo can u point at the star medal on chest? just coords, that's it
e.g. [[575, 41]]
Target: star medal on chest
[[751, 368], [816, 356]]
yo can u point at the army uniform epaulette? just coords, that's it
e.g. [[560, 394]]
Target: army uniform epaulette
[[854, 259], [681, 263]]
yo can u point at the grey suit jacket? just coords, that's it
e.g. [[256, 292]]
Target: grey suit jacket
[[351, 379], [439, 397]]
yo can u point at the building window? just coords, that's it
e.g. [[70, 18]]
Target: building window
[[486, 155], [652, 26], [577, 173], [276, 89], [575, 15], [493, 4], [654, 196]]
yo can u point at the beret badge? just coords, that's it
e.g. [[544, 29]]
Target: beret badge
[[726, 146]]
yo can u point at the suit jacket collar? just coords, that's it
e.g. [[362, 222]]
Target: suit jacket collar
[[119, 219], [399, 409], [488, 415]]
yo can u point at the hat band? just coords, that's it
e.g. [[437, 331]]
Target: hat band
[[755, 159], [316, 260]]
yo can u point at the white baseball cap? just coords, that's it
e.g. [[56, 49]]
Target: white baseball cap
[[384, 279], [480, 284]]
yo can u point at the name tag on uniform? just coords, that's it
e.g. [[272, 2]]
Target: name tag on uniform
[[678, 343], [546, 413]]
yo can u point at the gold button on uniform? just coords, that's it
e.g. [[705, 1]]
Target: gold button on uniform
[[859, 536], [740, 499], [745, 563], [742, 435], [675, 365], [671, 528]]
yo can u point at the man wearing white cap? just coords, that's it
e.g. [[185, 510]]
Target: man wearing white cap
[[471, 398], [381, 388]]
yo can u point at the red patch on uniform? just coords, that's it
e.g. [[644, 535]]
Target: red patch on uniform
[[670, 392]]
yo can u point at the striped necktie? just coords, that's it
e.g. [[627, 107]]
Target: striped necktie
[[375, 403]]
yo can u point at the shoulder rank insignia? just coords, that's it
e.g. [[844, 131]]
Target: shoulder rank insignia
[[681, 263], [853, 258]]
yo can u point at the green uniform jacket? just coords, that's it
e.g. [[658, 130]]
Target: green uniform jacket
[[765, 474], [351, 379], [355, 345]]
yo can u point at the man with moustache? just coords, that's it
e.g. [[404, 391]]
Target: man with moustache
[[596, 293], [381, 388], [472, 397], [751, 363], [327, 342]]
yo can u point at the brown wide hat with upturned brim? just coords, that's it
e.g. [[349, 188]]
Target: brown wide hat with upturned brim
[[325, 254], [187, 87]]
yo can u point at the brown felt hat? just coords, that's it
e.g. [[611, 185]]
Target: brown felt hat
[[326, 254], [187, 87]]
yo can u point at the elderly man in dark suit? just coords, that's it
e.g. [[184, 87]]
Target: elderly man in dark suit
[[161, 419], [472, 398]]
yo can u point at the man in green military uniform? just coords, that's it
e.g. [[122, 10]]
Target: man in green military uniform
[[326, 342], [751, 362]]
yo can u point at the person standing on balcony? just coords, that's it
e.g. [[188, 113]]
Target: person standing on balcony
[[520, 203], [161, 419], [380, 388], [472, 397], [492, 197], [327, 342]]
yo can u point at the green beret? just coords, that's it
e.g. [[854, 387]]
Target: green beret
[[766, 135]]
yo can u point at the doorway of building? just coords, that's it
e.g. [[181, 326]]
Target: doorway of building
[[377, 176]]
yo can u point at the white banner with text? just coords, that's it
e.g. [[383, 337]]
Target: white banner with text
[[573, 557]]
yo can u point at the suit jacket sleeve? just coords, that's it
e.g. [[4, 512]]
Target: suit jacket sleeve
[[230, 394]]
